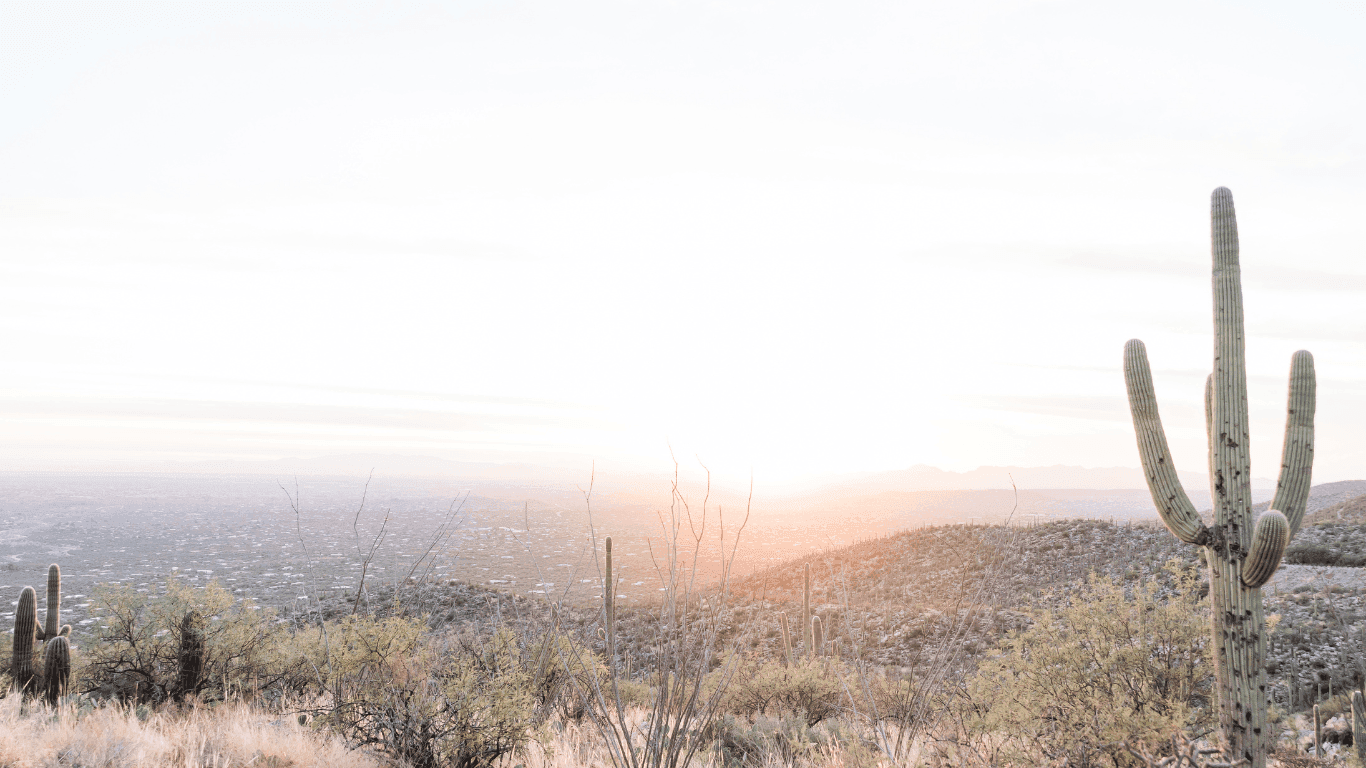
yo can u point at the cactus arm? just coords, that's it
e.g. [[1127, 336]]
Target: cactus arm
[[1170, 498], [1297, 455], [1269, 539], [54, 602]]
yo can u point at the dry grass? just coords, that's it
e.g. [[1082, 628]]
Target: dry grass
[[224, 737], [581, 746]]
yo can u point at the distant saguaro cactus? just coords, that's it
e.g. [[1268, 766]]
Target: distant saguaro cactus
[[787, 640], [1318, 732], [56, 669], [806, 611], [1242, 551], [25, 634], [1359, 725], [609, 589]]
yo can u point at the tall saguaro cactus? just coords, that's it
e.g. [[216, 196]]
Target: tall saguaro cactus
[[1242, 552]]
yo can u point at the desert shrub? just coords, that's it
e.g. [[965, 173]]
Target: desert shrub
[[1083, 680], [1310, 554], [462, 701], [788, 740], [811, 690], [142, 650]]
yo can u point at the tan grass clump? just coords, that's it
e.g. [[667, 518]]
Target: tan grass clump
[[113, 737]]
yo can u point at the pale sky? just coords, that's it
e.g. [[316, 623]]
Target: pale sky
[[792, 239]]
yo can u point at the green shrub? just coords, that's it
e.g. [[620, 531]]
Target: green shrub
[[812, 690], [1310, 554], [140, 648], [1082, 680], [788, 740], [461, 701]]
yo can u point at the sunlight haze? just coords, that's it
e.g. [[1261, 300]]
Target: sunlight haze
[[790, 239]]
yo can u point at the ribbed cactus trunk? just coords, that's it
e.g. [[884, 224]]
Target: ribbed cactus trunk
[[52, 626], [25, 633], [1242, 552], [56, 669]]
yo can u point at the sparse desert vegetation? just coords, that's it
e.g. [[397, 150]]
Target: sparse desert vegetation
[[1060, 643]]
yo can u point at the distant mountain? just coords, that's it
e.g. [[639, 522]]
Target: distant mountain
[[926, 478], [391, 465]]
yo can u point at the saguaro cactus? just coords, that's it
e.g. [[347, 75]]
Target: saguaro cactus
[[1242, 552], [190, 655], [25, 633], [56, 669], [1318, 732], [806, 611], [787, 640], [609, 589], [1359, 725], [817, 638]]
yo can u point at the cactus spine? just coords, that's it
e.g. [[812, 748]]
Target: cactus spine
[[806, 611], [1241, 552], [25, 633], [56, 669]]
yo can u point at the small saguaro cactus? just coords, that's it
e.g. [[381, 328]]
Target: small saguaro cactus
[[1242, 551], [787, 639], [56, 669], [1359, 725], [806, 611], [609, 589], [190, 655], [25, 634], [817, 638], [1318, 732]]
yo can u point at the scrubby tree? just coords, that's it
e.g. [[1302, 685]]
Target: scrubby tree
[[1079, 682]]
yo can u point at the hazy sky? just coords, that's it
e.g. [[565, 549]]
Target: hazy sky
[[789, 237]]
